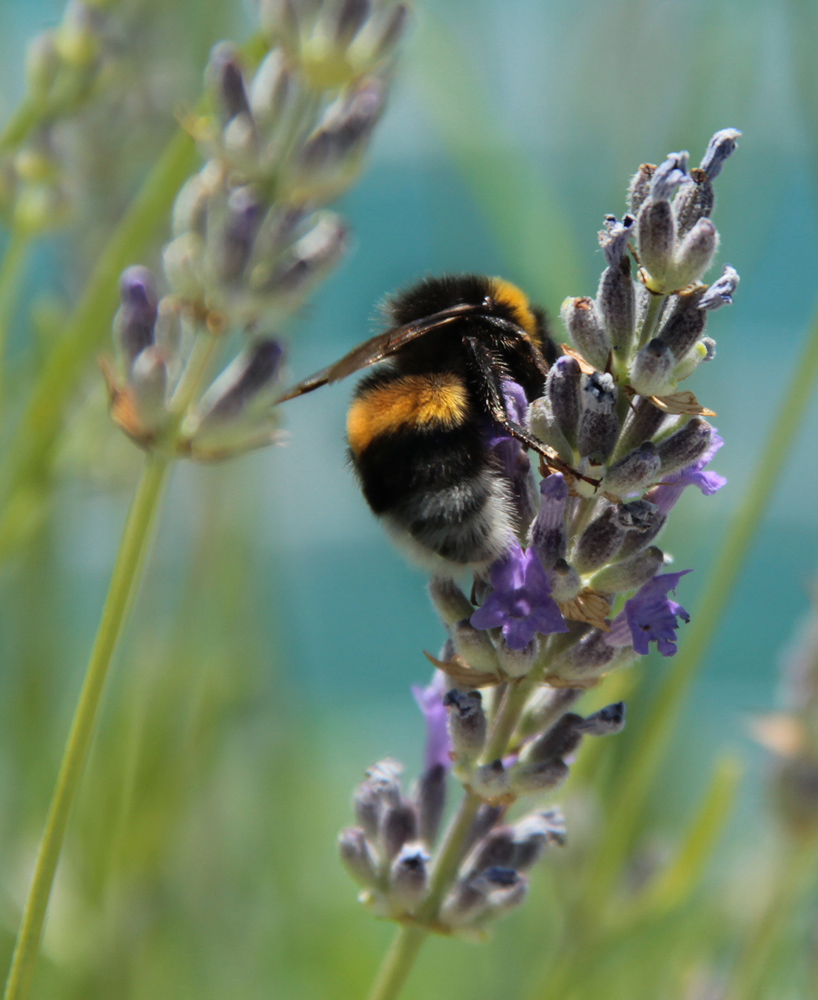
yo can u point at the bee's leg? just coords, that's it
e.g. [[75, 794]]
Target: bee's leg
[[483, 365]]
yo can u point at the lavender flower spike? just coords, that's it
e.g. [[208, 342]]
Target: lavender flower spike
[[430, 702], [650, 616], [521, 601], [667, 494]]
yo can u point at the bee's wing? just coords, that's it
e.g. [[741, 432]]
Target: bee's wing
[[377, 348]]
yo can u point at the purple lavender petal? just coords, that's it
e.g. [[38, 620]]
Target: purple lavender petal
[[492, 614], [430, 702], [518, 632], [516, 400], [652, 616], [667, 494]]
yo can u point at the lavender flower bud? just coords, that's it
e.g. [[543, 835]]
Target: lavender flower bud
[[606, 721], [721, 292], [312, 256], [639, 537], [380, 790], [695, 253], [253, 374], [668, 176], [557, 743], [225, 77], [691, 361], [431, 801], [639, 187], [685, 446], [409, 876], [685, 324], [517, 662], [543, 424], [531, 779], [182, 264], [490, 781], [451, 603], [720, 147], [359, 857], [484, 897], [534, 833], [548, 535], [351, 16], [136, 317], [694, 201], [487, 816], [598, 424], [586, 331], [391, 31], [616, 297], [398, 825], [587, 659], [600, 541], [628, 574], [279, 22], [467, 723], [545, 706], [344, 131], [564, 580], [270, 90], [149, 381], [652, 368], [475, 646], [657, 240], [563, 390], [633, 472], [642, 423], [496, 849], [232, 248]]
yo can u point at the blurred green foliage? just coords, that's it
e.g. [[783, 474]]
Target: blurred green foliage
[[270, 652]]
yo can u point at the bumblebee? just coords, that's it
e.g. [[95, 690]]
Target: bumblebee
[[420, 425]]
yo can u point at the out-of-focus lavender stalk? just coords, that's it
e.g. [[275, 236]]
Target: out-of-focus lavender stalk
[[583, 590], [251, 239]]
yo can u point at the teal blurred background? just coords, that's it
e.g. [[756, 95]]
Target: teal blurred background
[[270, 653]]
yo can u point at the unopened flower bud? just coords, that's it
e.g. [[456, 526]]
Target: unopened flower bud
[[344, 130], [563, 388], [358, 856], [490, 781], [350, 18], [684, 325], [639, 187], [182, 264], [475, 646], [657, 240], [634, 472], [616, 302], [586, 331], [548, 535], [534, 833], [251, 375], [234, 243], [544, 707], [399, 824], [542, 776], [312, 256], [467, 723], [628, 574], [451, 603], [667, 177], [409, 876], [136, 317], [280, 23], [517, 662], [685, 446], [487, 816], [690, 362], [606, 721], [562, 739], [496, 849], [643, 421], [543, 424], [721, 292], [599, 541], [694, 201], [587, 659], [431, 801], [695, 253], [720, 147], [598, 424], [225, 77], [652, 368], [149, 381], [480, 898], [42, 64], [271, 87], [642, 533], [564, 580]]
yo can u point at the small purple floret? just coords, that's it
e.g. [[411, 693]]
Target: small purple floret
[[650, 616], [430, 702], [521, 602], [666, 495]]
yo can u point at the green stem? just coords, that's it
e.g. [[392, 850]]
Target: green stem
[[10, 271], [655, 303], [657, 728], [124, 580], [751, 965], [398, 963], [85, 332], [27, 114]]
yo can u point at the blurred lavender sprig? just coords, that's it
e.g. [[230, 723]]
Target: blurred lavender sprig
[[583, 590], [251, 235]]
